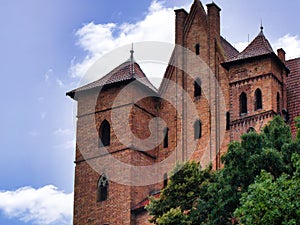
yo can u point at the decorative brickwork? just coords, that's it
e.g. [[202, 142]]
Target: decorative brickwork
[[269, 84]]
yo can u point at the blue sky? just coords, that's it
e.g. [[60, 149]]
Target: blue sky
[[46, 46]]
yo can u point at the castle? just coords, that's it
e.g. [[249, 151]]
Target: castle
[[210, 95]]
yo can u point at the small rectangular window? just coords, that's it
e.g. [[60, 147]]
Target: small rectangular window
[[197, 49]]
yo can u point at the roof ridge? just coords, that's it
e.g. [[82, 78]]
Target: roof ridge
[[289, 60], [123, 72], [259, 46]]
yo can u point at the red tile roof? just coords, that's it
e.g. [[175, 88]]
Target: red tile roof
[[230, 51], [258, 47], [293, 91], [145, 202], [125, 72]]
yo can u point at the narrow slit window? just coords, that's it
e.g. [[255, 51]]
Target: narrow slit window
[[278, 102], [166, 137], [197, 88], [165, 180], [104, 134], [258, 99], [102, 188], [228, 121], [197, 49], [243, 103], [197, 129]]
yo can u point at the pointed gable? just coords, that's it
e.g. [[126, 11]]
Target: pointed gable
[[196, 9], [127, 71], [258, 47]]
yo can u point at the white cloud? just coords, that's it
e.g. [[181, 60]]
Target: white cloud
[[34, 133], [59, 82], [241, 46], [41, 99], [98, 39], [290, 44], [46, 205], [61, 131], [48, 74], [67, 145], [43, 115]]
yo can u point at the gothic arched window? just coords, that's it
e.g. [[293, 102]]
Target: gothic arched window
[[197, 129], [166, 137], [258, 99], [197, 49], [104, 134], [243, 103], [251, 129], [197, 88], [278, 102], [165, 180], [102, 188], [228, 121]]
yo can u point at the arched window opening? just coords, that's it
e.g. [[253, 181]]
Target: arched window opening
[[258, 99], [197, 49], [104, 134], [251, 129], [286, 115], [228, 121], [197, 88], [278, 102], [102, 188], [165, 180], [197, 129], [243, 103], [166, 137]]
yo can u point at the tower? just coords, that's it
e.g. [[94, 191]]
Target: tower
[[232, 93], [109, 116], [199, 74], [257, 81]]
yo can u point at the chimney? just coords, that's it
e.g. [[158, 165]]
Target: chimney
[[281, 54], [181, 16], [213, 12]]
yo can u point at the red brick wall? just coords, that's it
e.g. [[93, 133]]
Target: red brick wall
[[191, 28], [293, 91], [121, 198]]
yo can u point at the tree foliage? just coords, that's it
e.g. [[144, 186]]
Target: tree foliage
[[181, 193], [272, 201], [225, 196]]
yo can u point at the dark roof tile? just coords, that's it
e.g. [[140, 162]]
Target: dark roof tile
[[125, 72], [293, 90], [230, 51], [145, 202], [258, 47]]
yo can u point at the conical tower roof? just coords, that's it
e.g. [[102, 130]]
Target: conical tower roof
[[126, 72], [258, 47]]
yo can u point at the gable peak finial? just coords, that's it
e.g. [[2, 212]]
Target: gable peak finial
[[131, 60], [131, 53], [261, 26]]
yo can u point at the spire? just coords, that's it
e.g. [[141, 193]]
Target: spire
[[132, 59], [261, 27], [131, 53], [258, 47]]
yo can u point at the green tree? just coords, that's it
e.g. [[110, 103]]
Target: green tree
[[173, 216], [211, 197], [242, 163], [180, 194], [272, 201]]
